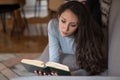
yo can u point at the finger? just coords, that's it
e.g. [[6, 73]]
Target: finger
[[52, 73], [45, 74], [40, 73], [36, 72], [55, 74]]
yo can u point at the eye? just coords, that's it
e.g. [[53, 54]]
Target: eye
[[63, 21], [73, 25]]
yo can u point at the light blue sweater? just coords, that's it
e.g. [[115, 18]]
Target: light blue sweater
[[57, 43]]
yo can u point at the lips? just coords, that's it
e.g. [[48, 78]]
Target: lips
[[64, 33]]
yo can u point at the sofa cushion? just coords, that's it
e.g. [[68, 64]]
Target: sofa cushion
[[114, 39]]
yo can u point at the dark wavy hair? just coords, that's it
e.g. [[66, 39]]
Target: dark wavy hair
[[88, 39]]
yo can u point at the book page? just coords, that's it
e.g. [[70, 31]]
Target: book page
[[58, 66], [33, 62]]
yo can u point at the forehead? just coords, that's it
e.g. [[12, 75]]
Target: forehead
[[69, 16]]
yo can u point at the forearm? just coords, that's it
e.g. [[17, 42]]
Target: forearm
[[53, 42]]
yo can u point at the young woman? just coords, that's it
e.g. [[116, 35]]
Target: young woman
[[74, 32]]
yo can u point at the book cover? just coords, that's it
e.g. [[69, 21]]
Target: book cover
[[47, 67]]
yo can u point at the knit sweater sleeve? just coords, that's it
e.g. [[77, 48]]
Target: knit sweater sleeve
[[54, 46]]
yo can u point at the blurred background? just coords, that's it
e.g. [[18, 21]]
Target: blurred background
[[23, 26], [23, 33]]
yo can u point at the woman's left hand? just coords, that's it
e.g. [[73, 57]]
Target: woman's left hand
[[40, 73]]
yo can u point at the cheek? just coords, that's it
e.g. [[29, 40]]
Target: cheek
[[72, 30], [60, 26]]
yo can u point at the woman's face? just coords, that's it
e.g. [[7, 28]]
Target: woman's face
[[68, 23]]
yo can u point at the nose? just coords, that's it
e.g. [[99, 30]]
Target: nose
[[66, 27]]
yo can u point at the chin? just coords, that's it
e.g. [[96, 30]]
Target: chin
[[64, 35]]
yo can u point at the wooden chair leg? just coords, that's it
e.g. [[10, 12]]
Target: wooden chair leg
[[25, 20], [17, 24]]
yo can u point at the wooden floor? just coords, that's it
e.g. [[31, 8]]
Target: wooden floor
[[33, 40]]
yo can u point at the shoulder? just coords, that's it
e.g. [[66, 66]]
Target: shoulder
[[53, 25], [53, 20]]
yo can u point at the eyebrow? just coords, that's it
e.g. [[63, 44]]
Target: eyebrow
[[63, 17], [71, 22]]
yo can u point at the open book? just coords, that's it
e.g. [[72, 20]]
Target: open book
[[47, 67]]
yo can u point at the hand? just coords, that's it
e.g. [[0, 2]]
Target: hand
[[41, 73]]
